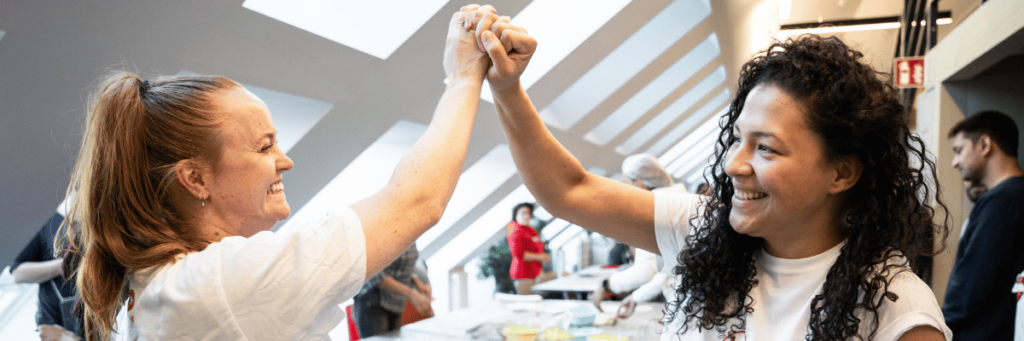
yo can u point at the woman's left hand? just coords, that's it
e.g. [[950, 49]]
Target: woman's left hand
[[463, 59]]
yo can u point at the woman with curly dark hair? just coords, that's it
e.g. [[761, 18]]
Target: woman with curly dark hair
[[820, 192]]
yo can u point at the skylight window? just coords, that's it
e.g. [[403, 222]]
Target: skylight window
[[475, 184], [559, 26], [655, 91], [676, 133], [696, 155], [623, 63], [363, 177], [673, 112], [674, 158], [361, 25]]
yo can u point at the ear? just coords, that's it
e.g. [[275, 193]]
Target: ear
[[194, 177], [984, 145], [848, 170]]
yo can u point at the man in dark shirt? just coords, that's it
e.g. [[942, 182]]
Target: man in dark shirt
[[57, 295], [979, 304]]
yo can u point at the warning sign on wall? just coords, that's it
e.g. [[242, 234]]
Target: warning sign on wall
[[908, 72]]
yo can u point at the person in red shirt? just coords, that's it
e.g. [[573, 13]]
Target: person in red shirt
[[527, 250]]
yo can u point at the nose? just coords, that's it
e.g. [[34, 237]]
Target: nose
[[956, 162], [284, 162], [737, 162]]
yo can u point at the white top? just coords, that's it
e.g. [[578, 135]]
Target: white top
[[787, 286], [643, 269], [271, 286]]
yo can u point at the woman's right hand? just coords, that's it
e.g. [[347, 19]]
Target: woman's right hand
[[463, 60], [509, 47]]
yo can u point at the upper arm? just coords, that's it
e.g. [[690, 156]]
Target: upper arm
[[611, 208], [391, 223], [922, 333]]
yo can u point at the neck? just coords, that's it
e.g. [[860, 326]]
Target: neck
[[999, 169], [809, 237]]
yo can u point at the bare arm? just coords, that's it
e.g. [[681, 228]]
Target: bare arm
[[922, 333], [535, 256], [37, 272], [423, 182], [420, 301], [555, 178]]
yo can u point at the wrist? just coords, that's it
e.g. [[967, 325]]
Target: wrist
[[512, 87], [464, 81]]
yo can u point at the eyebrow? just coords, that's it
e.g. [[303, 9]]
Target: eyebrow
[[756, 133]]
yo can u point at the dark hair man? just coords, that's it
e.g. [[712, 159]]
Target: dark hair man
[[979, 304]]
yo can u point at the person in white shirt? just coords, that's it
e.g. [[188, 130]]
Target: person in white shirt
[[180, 181], [645, 278], [819, 195]]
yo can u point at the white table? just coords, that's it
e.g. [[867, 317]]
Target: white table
[[484, 324], [584, 281]]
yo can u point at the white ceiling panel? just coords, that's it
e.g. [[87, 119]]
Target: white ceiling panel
[[362, 25], [673, 112], [672, 159], [678, 132], [625, 62], [655, 91], [559, 26]]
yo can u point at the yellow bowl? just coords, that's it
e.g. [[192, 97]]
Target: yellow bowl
[[520, 333], [607, 337]]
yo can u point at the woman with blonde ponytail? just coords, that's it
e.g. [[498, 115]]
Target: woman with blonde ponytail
[[179, 180]]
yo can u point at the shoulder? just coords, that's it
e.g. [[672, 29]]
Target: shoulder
[[913, 305]]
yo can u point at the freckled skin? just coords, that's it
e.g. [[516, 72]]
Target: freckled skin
[[250, 163]]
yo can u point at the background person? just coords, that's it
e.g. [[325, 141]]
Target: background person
[[527, 249], [979, 304], [180, 179], [36, 263], [380, 303], [644, 172], [812, 179]]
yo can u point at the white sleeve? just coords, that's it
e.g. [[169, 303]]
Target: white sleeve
[[915, 306], [285, 283], [672, 212], [643, 268], [650, 290]]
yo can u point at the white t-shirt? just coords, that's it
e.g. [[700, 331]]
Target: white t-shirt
[[787, 287], [271, 286]]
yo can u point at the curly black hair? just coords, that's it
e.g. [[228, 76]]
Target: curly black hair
[[857, 113]]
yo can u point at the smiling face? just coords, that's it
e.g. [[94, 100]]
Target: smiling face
[[246, 193], [783, 179]]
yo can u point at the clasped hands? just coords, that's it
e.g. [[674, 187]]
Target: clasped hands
[[481, 44]]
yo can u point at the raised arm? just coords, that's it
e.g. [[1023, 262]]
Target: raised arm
[[422, 183], [555, 178]]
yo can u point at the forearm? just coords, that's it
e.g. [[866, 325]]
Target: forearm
[[563, 187], [393, 285], [423, 182], [37, 272], [533, 256], [547, 168]]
